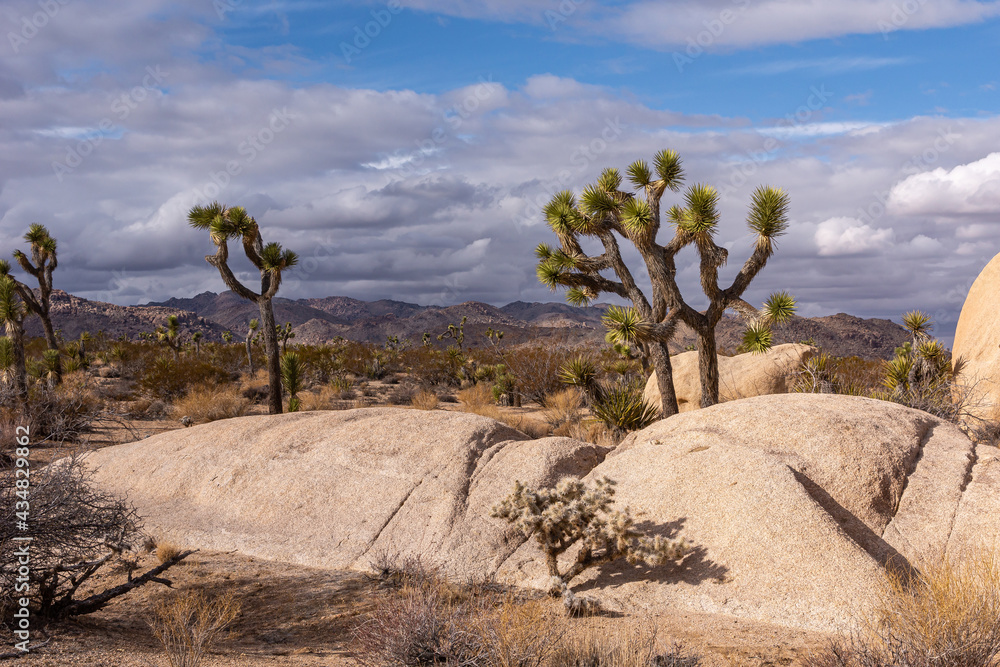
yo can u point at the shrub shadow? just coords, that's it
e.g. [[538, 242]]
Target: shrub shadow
[[695, 568]]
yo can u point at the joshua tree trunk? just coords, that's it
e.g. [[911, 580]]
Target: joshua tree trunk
[[50, 334], [249, 342], [659, 355], [708, 366], [273, 360], [16, 333]]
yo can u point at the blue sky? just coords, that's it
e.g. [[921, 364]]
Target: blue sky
[[410, 162]]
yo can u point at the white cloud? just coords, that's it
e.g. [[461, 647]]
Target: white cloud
[[713, 24], [849, 236], [972, 188]]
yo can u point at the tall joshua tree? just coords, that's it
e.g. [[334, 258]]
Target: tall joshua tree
[[41, 264], [171, 336], [224, 223], [12, 315], [606, 212]]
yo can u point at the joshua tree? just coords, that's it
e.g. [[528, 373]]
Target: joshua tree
[[42, 263], [12, 314], [224, 223], [251, 330], [285, 333], [606, 212], [227, 336], [171, 335], [196, 339]]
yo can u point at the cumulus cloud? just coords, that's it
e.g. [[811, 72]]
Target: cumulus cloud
[[849, 236], [669, 24], [972, 188]]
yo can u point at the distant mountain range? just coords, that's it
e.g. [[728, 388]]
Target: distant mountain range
[[319, 320]]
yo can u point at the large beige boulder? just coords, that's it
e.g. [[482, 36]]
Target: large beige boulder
[[742, 376], [333, 489], [796, 504], [977, 341]]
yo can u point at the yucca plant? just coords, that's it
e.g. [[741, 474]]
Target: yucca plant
[[271, 260], [285, 333], [12, 316], [196, 339], [53, 367], [6, 358], [622, 408], [291, 374], [605, 211], [581, 372]]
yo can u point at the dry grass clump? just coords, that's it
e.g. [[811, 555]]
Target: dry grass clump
[[188, 624], [207, 403], [321, 398], [563, 410], [166, 550], [424, 400], [478, 399], [947, 615], [635, 647]]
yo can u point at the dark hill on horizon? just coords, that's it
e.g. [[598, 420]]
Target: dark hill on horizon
[[318, 320]]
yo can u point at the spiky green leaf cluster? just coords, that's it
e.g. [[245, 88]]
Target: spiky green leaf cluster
[[757, 337], [291, 372], [623, 408], [624, 325], [668, 169], [639, 174], [274, 258], [918, 323], [779, 308], [768, 215], [701, 215], [636, 216], [597, 202], [580, 371]]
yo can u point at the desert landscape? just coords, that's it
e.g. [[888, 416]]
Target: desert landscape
[[591, 333]]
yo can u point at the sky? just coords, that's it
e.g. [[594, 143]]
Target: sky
[[404, 148]]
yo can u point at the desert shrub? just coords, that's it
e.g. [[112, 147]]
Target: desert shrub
[[207, 403], [423, 619], [75, 529], [62, 414], [826, 374], [188, 624], [564, 408], [536, 368], [401, 395], [146, 408], [424, 400], [622, 408], [170, 378], [946, 615], [573, 513], [636, 647]]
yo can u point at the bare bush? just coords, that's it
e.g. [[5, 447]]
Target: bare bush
[[635, 647], [187, 625], [75, 530], [424, 400]]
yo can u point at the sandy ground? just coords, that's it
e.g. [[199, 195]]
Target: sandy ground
[[302, 616]]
